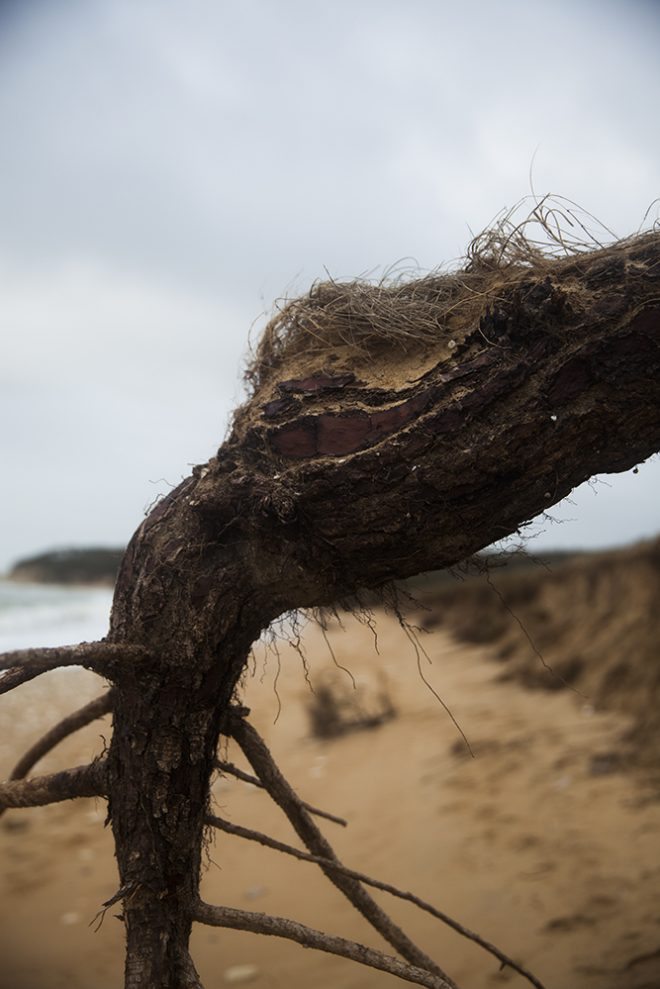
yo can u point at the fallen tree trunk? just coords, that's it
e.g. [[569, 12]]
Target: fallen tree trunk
[[361, 456]]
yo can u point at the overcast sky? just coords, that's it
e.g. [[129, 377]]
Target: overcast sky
[[168, 169]]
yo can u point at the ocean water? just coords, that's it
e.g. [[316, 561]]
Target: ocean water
[[51, 615]]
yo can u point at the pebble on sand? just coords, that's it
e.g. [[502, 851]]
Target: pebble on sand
[[70, 918], [240, 973]]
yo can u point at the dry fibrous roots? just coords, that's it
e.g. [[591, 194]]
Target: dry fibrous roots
[[403, 309], [91, 781]]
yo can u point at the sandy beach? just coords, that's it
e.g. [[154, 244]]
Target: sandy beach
[[535, 842]]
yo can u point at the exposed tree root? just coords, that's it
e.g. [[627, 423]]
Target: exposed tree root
[[190, 976], [261, 923], [67, 726], [83, 781], [283, 794], [335, 866], [102, 657], [79, 719], [231, 770], [390, 430]]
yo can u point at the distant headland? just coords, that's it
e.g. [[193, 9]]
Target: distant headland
[[93, 565], [98, 565]]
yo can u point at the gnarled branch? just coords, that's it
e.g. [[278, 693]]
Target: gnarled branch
[[232, 770], [87, 654], [365, 453], [67, 726], [261, 923], [100, 657], [337, 867], [283, 794], [83, 781]]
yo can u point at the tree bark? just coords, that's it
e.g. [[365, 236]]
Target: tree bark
[[333, 480], [83, 781]]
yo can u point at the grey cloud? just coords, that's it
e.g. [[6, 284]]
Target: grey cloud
[[170, 169]]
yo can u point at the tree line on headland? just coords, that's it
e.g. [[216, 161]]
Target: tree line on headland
[[93, 565]]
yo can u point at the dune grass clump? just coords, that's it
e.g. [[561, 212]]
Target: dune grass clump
[[337, 708]]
